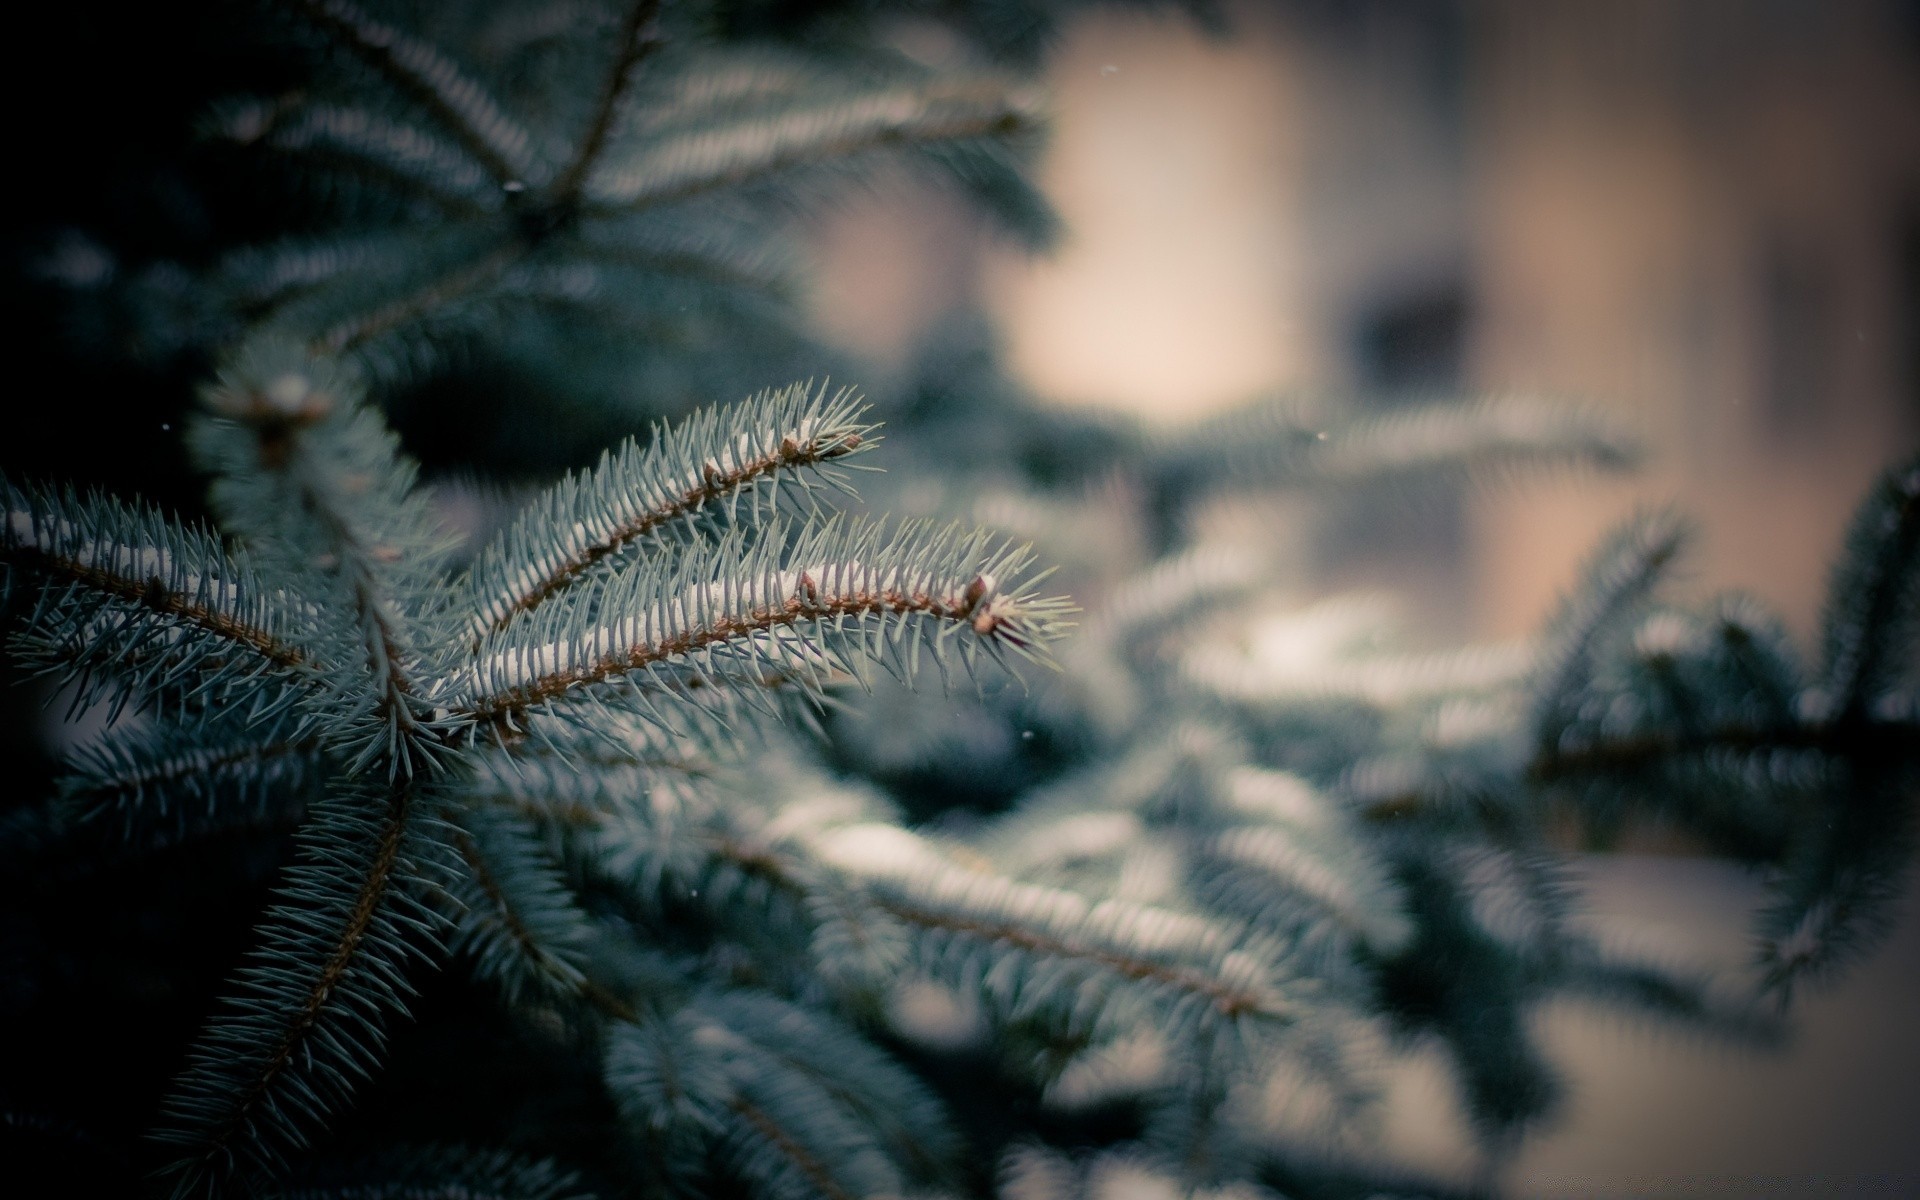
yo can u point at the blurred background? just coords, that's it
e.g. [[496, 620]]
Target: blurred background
[[1702, 216]]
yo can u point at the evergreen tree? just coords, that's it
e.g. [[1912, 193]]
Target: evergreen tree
[[755, 853]]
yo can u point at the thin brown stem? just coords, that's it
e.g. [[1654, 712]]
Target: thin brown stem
[[422, 75], [374, 889], [422, 300], [770, 1129], [1229, 1001], [152, 594], [502, 706], [639, 34], [714, 485], [972, 125]]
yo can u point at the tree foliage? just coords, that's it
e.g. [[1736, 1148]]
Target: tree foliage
[[760, 845]]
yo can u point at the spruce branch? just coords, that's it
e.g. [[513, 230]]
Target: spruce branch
[[171, 778], [426, 77], [315, 481], [314, 484], [1292, 864], [788, 1149], [263, 282], [1668, 993], [1202, 970], [639, 35], [1835, 895], [838, 594], [587, 523], [1637, 752], [1619, 578], [674, 165], [393, 156], [460, 281], [144, 607], [797, 1103], [830, 1103], [314, 999], [1297, 442], [1871, 625], [519, 922]]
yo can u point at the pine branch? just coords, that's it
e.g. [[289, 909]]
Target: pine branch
[[166, 780], [1293, 442], [1638, 752], [788, 1147], [1669, 994], [315, 481], [639, 34], [262, 281], [610, 270], [1385, 681], [1174, 591], [589, 522], [397, 157], [310, 1016], [431, 296], [836, 1109], [796, 1104], [520, 923], [1337, 879], [144, 606], [838, 591], [1871, 625], [1178, 956], [678, 165], [1620, 577], [430, 80]]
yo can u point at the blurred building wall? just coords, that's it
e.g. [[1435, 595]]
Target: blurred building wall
[[1702, 215]]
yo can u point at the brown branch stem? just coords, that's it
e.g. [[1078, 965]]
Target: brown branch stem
[[1229, 1001], [373, 889], [385, 50], [503, 705], [770, 1129], [639, 34], [971, 126], [422, 300], [152, 594], [714, 485]]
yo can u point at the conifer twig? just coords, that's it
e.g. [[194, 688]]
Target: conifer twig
[[431, 80], [436, 293], [789, 1146], [686, 471], [1230, 1002], [639, 34], [1846, 738], [639, 656], [306, 1022], [146, 591], [882, 122]]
